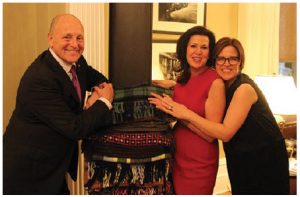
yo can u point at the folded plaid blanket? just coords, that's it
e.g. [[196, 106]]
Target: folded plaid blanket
[[139, 92], [137, 110], [132, 105]]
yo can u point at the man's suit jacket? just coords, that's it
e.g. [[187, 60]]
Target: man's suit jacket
[[40, 142]]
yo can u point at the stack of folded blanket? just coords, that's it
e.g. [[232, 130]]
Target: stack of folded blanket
[[133, 155]]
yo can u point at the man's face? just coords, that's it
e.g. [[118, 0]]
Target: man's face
[[67, 39]]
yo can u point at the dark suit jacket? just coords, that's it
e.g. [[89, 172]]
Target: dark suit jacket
[[41, 140]]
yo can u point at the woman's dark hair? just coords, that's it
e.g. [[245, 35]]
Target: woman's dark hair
[[227, 41], [182, 43]]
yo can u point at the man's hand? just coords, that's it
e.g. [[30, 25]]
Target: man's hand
[[104, 90], [91, 100]]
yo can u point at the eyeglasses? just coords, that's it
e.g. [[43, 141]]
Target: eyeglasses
[[232, 60]]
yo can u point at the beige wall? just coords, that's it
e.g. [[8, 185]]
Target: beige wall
[[25, 28], [222, 19]]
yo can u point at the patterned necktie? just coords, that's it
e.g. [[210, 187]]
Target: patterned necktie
[[75, 81]]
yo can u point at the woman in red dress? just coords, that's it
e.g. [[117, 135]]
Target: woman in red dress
[[201, 90]]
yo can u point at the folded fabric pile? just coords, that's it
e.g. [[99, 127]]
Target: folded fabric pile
[[133, 156]]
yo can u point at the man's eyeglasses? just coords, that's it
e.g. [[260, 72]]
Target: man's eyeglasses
[[232, 60]]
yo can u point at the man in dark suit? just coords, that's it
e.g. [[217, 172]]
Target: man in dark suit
[[40, 144]]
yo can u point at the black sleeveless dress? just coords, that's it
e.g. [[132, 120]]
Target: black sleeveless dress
[[257, 159]]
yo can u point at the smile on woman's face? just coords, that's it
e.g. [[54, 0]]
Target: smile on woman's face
[[197, 53], [228, 64]]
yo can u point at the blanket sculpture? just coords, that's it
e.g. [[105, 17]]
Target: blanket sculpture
[[133, 155]]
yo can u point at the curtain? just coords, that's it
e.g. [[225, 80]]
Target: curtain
[[94, 18], [258, 31]]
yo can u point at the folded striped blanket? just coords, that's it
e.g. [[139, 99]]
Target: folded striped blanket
[[134, 110], [139, 92], [133, 145], [140, 126]]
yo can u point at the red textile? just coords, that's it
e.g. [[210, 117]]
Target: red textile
[[196, 160], [135, 139]]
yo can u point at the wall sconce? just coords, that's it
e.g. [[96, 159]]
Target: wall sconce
[[280, 92]]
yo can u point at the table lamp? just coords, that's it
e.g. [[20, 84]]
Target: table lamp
[[280, 92]]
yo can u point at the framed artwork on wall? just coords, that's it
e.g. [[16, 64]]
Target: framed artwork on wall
[[177, 17], [169, 22], [165, 38], [164, 62]]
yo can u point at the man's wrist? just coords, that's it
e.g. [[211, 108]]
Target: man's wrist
[[107, 102]]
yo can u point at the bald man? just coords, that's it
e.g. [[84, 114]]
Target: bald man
[[40, 144]]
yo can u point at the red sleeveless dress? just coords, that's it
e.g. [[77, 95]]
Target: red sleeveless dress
[[196, 160]]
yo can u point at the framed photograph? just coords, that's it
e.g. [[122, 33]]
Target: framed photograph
[[165, 38], [164, 62], [177, 17]]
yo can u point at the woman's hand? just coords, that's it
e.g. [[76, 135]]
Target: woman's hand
[[167, 105], [179, 111]]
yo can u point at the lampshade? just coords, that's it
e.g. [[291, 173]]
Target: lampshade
[[280, 92]]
